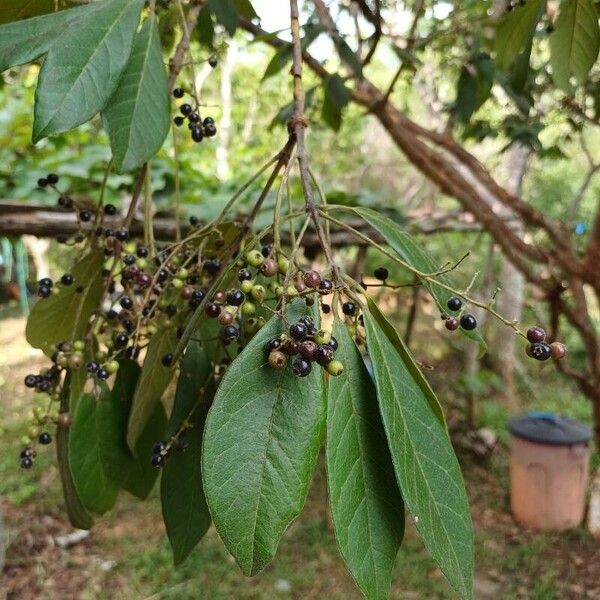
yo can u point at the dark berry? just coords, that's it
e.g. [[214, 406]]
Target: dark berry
[[536, 334], [298, 331], [26, 452], [141, 251], [452, 324], [46, 282], [290, 346], [208, 121], [30, 381], [381, 273], [307, 349], [194, 117], [126, 302], [185, 109], [45, 438], [230, 333], [121, 340], [213, 310], [273, 343], [159, 447], [179, 121], [210, 130], [158, 461], [92, 367], [349, 309], [325, 286], [52, 178], [454, 304], [178, 93], [244, 275], [333, 343], [235, 297], [66, 279], [44, 291], [197, 134], [541, 351], [102, 373], [122, 235], [213, 61], [324, 354], [42, 182], [111, 315], [129, 259], [266, 250], [301, 367], [468, 322], [26, 462], [110, 210], [326, 309], [79, 289], [212, 266], [194, 221], [167, 360], [171, 310], [198, 295], [85, 215]]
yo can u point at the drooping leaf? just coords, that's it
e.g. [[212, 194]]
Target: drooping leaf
[[96, 490], [575, 42], [410, 251], [184, 508], [153, 381], [78, 515], [474, 86], [225, 13], [85, 62], [515, 30], [367, 508], [131, 472], [261, 442], [426, 467], [205, 28], [24, 41], [17, 10], [64, 316], [336, 97], [348, 55], [140, 99], [279, 61], [245, 9]]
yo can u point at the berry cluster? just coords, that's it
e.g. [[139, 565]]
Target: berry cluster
[[199, 128], [307, 345], [467, 321], [539, 349]]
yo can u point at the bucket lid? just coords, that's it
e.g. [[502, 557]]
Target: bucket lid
[[549, 428]]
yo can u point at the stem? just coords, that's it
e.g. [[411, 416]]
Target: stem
[[137, 190], [177, 185], [148, 228], [297, 126]]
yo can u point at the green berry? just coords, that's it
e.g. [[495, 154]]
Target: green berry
[[254, 258], [335, 368]]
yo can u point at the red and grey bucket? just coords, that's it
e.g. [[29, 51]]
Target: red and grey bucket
[[549, 470]]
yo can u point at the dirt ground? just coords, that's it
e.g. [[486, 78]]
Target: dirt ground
[[126, 555]]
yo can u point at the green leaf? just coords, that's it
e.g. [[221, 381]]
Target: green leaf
[[348, 55], [575, 42], [367, 508], [96, 490], [412, 253], [426, 467], [151, 385], [278, 61], [17, 10], [205, 29], [285, 112], [336, 97], [515, 30], [261, 443], [83, 67], [131, 472], [78, 515], [64, 316], [225, 13], [184, 508], [27, 40], [141, 99], [474, 86]]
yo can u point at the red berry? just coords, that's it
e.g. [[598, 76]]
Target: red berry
[[536, 334]]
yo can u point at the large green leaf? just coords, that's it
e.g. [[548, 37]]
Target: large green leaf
[[575, 43], [474, 86], [184, 508], [225, 13], [96, 490], [131, 472], [278, 61], [515, 30], [78, 515], [153, 381], [261, 442], [24, 41], [141, 98], [64, 316], [367, 508], [82, 68], [426, 467], [411, 252]]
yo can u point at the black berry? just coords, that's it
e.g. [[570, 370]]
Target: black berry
[[185, 109], [230, 333], [324, 354], [301, 367], [178, 93], [26, 462], [45, 438], [235, 297], [110, 210], [349, 308], [52, 178], [454, 304], [468, 322], [85, 215], [179, 121], [213, 61], [541, 351], [102, 373], [381, 273], [126, 302], [30, 381], [66, 279], [298, 331], [167, 360]]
